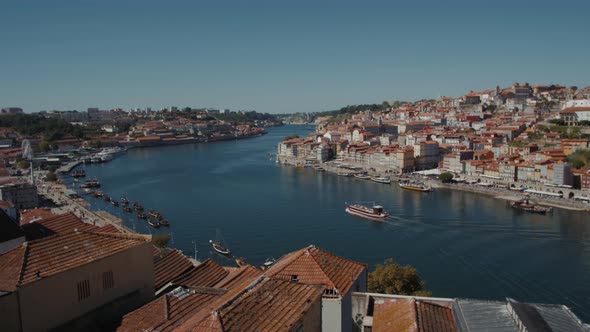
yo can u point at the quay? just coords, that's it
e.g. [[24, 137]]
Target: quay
[[67, 168], [496, 190]]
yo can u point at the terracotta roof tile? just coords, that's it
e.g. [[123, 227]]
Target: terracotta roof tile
[[11, 263], [434, 318], [167, 312], [392, 315], [168, 266], [206, 274], [238, 275], [29, 215], [61, 252], [313, 265], [270, 305], [55, 225]]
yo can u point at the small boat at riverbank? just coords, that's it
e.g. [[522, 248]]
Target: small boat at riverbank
[[362, 176], [106, 198], [375, 213], [126, 208], [114, 202], [90, 184], [163, 222], [97, 193], [269, 261], [141, 215], [526, 205], [219, 248], [124, 200], [381, 179], [154, 223], [415, 186], [79, 174]]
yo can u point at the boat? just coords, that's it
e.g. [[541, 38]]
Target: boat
[[126, 208], [106, 198], [219, 248], [154, 214], [269, 261], [114, 202], [415, 186], [240, 261], [526, 205], [141, 215], [381, 179], [154, 223], [138, 208], [376, 212], [346, 174], [90, 184], [362, 176], [97, 193], [124, 200], [79, 174], [163, 222]]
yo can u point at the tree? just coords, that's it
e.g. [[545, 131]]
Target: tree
[[44, 146], [160, 240], [445, 177], [51, 177], [577, 163], [392, 278]]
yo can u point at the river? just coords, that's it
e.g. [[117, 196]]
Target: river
[[462, 244]]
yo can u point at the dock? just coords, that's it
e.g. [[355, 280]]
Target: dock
[[67, 168]]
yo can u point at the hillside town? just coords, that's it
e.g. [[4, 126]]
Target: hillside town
[[531, 138]]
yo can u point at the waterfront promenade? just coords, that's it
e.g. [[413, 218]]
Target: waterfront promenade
[[496, 190]]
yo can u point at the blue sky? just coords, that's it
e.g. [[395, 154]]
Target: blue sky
[[279, 56]]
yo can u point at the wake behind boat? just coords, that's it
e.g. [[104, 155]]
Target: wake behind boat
[[376, 212]]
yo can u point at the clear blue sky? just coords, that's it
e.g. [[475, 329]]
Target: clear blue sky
[[278, 58]]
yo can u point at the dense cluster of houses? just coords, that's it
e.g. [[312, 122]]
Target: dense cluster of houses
[[500, 135], [59, 272]]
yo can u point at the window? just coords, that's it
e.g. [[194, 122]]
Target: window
[[107, 280], [83, 290], [294, 278]]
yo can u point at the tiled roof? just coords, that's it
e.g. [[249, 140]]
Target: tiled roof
[[56, 225], [394, 315], [434, 318], [238, 275], [109, 229], [11, 263], [29, 215], [206, 274], [575, 109], [271, 305], [313, 265], [168, 266], [61, 252], [167, 312]]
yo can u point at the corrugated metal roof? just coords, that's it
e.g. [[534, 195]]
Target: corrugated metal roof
[[477, 315], [560, 318]]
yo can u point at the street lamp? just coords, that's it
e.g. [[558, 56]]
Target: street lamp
[[195, 248]]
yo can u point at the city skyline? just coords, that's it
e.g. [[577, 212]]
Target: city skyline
[[280, 58]]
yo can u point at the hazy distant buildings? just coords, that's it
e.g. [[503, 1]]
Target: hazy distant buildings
[[11, 110]]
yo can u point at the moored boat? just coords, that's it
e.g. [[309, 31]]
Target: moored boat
[[141, 215], [381, 179], [79, 173], [124, 200], [106, 198], [376, 212], [526, 205], [362, 176], [415, 186], [269, 261], [126, 208], [219, 248], [90, 184], [114, 202], [154, 223], [240, 261], [97, 193], [163, 222]]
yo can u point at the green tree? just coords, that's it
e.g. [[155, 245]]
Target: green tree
[[160, 240], [51, 177], [44, 146], [577, 163], [290, 137], [445, 177], [392, 278]]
